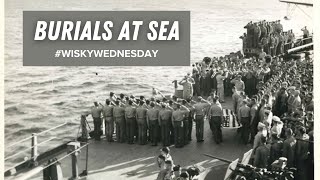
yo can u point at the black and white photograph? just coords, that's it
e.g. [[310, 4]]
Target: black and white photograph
[[159, 90]]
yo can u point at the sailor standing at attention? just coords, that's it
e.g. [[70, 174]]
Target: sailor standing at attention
[[130, 115], [199, 112], [244, 114], [220, 84], [190, 117], [96, 115], [186, 124], [119, 116], [108, 120], [152, 119], [215, 116], [141, 115], [177, 120], [165, 115]]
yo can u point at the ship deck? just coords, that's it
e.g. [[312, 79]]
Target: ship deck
[[124, 161]]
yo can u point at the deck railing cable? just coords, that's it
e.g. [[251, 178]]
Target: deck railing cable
[[18, 142], [20, 152]]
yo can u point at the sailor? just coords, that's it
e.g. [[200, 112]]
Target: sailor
[[296, 100], [244, 113], [176, 172], [221, 76], [216, 116], [264, 44], [254, 119], [107, 112], [276, 43], [186, 125], [196, 85], [262, 154], [291, 38], [112, 98], [302, 152], [280, 49], [270, 28], [141, 113], [305, 32], [166, 174], [122, 98], [165, 115], [276, 147], [250, 33], [96, 115], [238, 83], [152, 119], [199, 113], [309, 102], [190, 106], [235, 97], [130, 115], [177, 120], [244, 41], [250, 82], [277, 126], [271, 44], [256, 35], [119, 117], [289, 147], [187, 84], [263, 29]]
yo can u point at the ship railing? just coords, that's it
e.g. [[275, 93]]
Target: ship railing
[[299, 42], [74, 150], [34, 145]]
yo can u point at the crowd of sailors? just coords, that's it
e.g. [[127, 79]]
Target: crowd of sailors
[[270, 38], [272, 99]]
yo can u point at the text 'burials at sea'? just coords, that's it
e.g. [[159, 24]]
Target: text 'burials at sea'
[[88, 30]]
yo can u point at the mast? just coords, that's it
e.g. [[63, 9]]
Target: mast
[[297, 3]]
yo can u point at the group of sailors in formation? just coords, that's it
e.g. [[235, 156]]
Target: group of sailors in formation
[[269, 37], [167, 120]]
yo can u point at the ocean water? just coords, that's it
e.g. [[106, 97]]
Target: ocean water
[[38, 98]]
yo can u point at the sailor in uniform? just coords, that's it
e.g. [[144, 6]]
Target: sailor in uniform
[[216, 116], [130, 115], [119, 117], [141, 113], [108, 120], [165, 115], [96, 115], [244, 114], [152, 119], [177, 120]]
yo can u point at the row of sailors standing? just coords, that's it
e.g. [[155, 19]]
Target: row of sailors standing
[[167, 121], [269, 37]]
